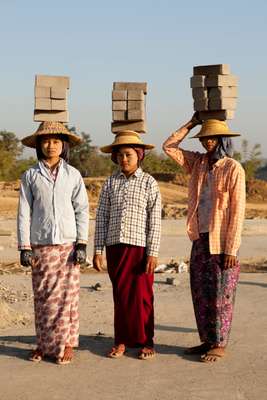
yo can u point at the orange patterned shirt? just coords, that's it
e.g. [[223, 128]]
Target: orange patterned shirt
[[228, 195]]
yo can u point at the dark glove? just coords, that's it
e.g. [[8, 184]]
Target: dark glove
[[79, 253], [26, 257]]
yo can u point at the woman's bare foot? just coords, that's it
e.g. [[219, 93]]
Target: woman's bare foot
[[36, 355], [213, 355], [201, 349], [67, 356], [117, 351]]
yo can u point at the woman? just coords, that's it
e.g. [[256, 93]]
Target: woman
[[128, 223], [216, 205], [52, 236]]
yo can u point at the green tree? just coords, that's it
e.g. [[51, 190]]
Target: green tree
[[10, 149], [159, 163], [87, 160], [250, 158]]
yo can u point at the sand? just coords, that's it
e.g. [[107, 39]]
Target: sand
[[171, 375], [241, 375]]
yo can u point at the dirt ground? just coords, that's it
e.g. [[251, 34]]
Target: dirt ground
[[241, 375]]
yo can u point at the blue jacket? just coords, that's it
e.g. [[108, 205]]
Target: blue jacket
[[52, 212]]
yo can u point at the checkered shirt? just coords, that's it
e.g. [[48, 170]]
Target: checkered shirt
[[228, 195], [129, 211]]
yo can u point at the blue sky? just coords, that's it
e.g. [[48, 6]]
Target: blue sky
[[97, 43]]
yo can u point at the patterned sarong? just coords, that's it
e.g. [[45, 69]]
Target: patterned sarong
[[213, 292], [56, 284]]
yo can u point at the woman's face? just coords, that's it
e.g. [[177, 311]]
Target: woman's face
[[127, 159], [210, 143], [51, 146]]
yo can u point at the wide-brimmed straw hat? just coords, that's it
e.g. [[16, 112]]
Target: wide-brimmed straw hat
[[214, 127], [51, 128], [125, 138]]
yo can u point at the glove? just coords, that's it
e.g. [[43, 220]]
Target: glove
[[79, 253], [26, 258]]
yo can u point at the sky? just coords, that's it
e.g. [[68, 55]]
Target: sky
[[96, 43]]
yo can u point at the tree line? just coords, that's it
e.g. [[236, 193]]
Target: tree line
[[90, 162]]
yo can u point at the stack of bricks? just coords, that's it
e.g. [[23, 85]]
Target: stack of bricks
[[50, 98], [128, 106], [214, 91]]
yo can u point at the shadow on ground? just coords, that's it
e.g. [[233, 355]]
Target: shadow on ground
[[20, 346], [253, 283]]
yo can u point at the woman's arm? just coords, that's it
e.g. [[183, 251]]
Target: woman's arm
[[171, 147], [81, 210], [24, 214], [154, 220], [237, 193], [102, 219]]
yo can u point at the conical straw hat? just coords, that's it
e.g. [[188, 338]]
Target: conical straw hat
[[214, 127], [125, 138], [51, 128]]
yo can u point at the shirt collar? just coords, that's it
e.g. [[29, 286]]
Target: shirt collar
[[215, 165], [136, 174], [48, 167]]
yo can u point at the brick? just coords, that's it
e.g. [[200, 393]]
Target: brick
[[223, 103], [216, 69], [197, 81], [60, 116], [135, 95], [220, 80], [50, 80], [199, 93], [136, 115], [119, 105], [201, 105], [130, 86], [42, 104], [59, 105], [220, 114], [223, 91], [42, 91], [119, 115], [58, 93], [119, 94], [139, 126], [135, 105]]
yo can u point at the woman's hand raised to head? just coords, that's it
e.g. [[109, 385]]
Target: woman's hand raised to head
[[195, 120]]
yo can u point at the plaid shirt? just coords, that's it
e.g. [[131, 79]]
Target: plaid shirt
[[228, 195], [129, 211]]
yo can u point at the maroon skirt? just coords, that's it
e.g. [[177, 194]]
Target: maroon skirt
[[132, 295]]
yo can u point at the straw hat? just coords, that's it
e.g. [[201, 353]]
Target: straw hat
[[214, 127], [51, 128], [124, 138]]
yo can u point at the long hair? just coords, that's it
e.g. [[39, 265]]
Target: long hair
[[225, 147], [65, 154]]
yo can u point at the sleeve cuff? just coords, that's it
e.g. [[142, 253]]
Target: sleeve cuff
[[24, 247], [81, 241], [98, 251]]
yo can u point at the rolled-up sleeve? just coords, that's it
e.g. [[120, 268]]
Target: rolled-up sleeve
[[184, 158], [24, 213], [154, 220]]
